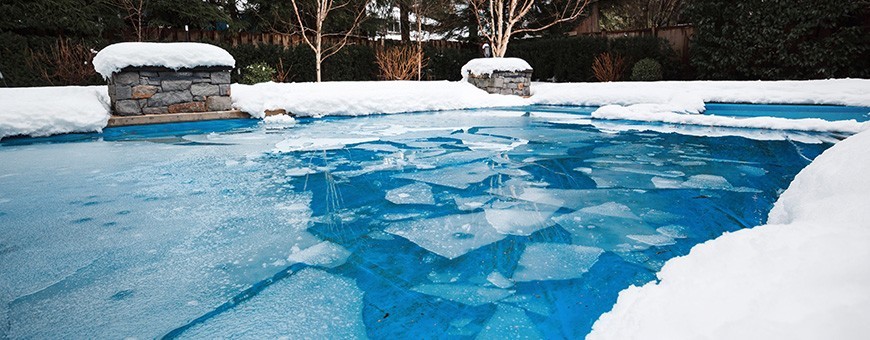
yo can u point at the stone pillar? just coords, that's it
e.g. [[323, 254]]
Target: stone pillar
[[158, 90], [516, 83]]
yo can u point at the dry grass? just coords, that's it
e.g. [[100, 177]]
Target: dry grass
[[400, 62], [607, 67], [68, 63]]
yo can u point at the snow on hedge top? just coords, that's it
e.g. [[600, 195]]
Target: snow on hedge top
[[481, 66], [115, 57]]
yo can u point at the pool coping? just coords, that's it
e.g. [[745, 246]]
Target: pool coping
[[116, 121]]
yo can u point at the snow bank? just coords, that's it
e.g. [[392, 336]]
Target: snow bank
[[482, 66], [364, 98], [43, 111], [851, 92], [802, 276], [666, 114], [172, 55]]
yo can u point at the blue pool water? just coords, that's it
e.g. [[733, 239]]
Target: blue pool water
[[486, 223]]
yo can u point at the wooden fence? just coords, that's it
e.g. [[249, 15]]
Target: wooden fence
[[677, 36], [278, 39]]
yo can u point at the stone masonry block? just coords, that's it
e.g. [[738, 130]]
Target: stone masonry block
[[175, 85], [220, 77], [204, 90], [123, 92], [155, 110], [126, 78], [225, 90], [169, 98], [219, 103], [144, 91], [187, 107], [127, 108]]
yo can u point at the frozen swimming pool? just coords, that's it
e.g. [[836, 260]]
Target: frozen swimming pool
[[488, 223]]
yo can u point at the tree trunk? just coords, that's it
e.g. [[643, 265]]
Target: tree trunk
[[318, 55], [419, 47], [404, 22]]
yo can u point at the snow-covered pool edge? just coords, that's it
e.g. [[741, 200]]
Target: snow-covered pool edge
[[804, 275]]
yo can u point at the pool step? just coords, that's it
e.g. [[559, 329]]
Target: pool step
[[174, 118]]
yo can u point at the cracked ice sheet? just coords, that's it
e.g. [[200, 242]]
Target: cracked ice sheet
[[465, 294], [324, 254], [449, 236], [459, 177], [555, 261], [704, 182], [509, 322], [309, 304], [708, 131], [144, 246], [417, 193], [318, 144], [608, 226], [519, 218]]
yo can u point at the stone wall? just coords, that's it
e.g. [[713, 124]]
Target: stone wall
[[156, 90], [502, 82]]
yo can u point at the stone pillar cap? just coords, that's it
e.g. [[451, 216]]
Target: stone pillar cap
[[174, 56]]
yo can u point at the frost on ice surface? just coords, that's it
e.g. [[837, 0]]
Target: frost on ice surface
[[657, 240], [178, 55], [509, 323], [471, 203], [555, 261], [606, 226], [324, 254], [534, 304], [449, 236], [499, 280], [673, 231], [464, 294], [417, 193], [318, 144], [309, 304], [519, 219]]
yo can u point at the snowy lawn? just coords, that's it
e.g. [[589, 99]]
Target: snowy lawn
[[805, 275]]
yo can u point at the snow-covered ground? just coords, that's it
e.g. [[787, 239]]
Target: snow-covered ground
[[53, 110], [686, 95], [805, 275], [44, 111], [364, 98]]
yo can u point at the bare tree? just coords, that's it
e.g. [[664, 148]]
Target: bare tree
[[499, 20], [314, 37], [135, 15]]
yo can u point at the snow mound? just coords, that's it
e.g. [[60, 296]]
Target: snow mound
[[364, 98], [802, 276], [481, 66], [668, 114], [851, 92], [44, 111], [176, 56]]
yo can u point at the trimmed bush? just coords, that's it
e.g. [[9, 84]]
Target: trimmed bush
[[257, 73], [780, 39], [571, 59], [646, 70]]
